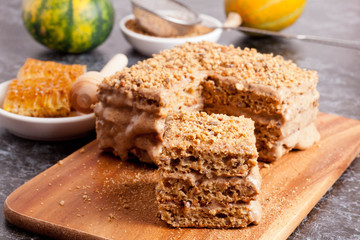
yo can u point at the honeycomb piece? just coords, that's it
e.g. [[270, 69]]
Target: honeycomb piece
[[42, 89], [34, 68]]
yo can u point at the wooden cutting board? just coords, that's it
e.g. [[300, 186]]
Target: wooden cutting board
[[93, 195]]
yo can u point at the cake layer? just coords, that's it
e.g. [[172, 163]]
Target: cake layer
[[213, 145], [301, 139], [200, 190], [272, 127], [273, 132], [208, 164], [214, 216], [258, 100]]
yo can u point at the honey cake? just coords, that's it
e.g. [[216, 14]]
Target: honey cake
[[208, 171], [277, 94]]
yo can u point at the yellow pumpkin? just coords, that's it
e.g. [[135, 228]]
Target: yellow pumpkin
[[271, 15]]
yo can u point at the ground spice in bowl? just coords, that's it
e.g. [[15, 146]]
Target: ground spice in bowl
[[197, 30]]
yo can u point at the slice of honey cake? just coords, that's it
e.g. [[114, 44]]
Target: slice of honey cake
[[209, 175], [278, 95]]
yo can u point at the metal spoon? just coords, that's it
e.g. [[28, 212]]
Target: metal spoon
[[233, 22]]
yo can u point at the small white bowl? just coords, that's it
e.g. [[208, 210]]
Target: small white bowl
[[44, 129], [149, 45]]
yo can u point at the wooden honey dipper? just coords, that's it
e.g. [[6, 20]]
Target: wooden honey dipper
[[83, 91]]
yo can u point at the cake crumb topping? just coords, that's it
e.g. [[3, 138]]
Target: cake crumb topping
[[169, 67]]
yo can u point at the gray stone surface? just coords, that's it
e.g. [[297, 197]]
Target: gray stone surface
[[336, 216]]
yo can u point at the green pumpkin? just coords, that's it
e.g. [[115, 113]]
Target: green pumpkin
[[71, 26]]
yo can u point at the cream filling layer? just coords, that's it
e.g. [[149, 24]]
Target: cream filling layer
[[253, 178]]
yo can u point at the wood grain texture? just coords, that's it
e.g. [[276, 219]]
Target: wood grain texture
[[93, 195]]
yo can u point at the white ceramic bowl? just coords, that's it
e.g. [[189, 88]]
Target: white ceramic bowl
[[44, 129], [149, 45]]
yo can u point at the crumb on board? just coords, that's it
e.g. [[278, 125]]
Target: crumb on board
[[62, 203], [111, 217], [82, 150]]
